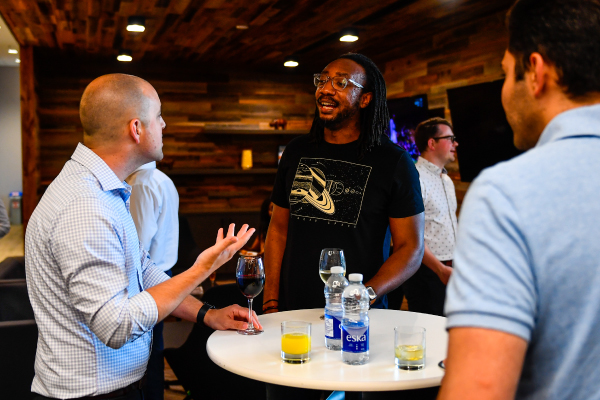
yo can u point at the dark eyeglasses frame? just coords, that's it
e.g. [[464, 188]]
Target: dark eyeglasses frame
[[451, 137], [317, 81]]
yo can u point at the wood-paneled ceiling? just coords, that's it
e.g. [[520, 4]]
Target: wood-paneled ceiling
[[204, 31]]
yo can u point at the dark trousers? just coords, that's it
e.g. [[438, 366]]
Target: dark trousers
[[134, 394], [416, 394], [154, 389], [277, 392], [425, 292]]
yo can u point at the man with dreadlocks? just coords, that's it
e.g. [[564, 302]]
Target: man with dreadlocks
[[341, 186]]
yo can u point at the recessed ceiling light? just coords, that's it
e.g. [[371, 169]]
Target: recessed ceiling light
[[12, 51], [349, 35], [136, 24], [18, 61], [243, 26], [290, 62], [124, 55]]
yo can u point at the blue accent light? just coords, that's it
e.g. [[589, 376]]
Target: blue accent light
[[419, 102], [404, 139]]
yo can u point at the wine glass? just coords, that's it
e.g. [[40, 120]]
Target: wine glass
[[250, 278], [331, 258]]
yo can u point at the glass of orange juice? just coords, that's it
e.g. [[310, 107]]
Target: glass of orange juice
[[295, 341]]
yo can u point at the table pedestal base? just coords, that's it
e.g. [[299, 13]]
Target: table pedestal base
[[353, 396]]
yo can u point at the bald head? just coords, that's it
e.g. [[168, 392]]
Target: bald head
[[110, 102]]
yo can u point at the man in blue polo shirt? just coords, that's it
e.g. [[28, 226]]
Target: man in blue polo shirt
[[524, 298]]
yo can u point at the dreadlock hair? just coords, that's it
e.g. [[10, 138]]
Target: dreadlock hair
[[374, 119]]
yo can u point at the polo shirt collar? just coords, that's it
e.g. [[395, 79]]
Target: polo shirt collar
[[578, 122], [431, 166], [106, 176]]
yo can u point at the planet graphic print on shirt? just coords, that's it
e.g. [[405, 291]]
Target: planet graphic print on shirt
[[330, 190]]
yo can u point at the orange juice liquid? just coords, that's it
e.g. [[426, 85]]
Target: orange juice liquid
[[295, 343]]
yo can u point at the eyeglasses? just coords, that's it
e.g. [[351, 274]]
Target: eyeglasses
[[451, 137], [337, 82]]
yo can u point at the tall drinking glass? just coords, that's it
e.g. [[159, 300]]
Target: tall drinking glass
[[250, 277], [331, 258]]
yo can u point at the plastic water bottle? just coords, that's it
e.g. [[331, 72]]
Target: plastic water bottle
[[333, 308], [355, 322]]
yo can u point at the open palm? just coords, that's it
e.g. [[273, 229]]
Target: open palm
[[224, 248]]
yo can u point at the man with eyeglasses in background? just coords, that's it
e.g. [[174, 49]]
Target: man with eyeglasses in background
[[341, 186], [426, 290]]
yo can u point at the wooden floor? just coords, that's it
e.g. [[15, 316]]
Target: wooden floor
[[174, 392], [12, 244]]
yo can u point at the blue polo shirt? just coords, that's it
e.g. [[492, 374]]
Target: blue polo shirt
[[527, 260]]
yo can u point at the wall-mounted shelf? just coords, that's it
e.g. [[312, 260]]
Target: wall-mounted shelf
[[221, 171], [231, 210], [254, 132]]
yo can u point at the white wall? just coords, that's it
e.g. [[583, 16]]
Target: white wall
[[11, 166]]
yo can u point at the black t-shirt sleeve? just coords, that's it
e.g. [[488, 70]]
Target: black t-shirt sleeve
[[406, 190], [280, 196]]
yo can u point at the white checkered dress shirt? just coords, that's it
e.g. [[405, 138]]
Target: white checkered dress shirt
[[86, 274], [439, 199]]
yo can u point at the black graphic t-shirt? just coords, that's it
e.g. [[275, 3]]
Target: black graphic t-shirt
[[337, 201]]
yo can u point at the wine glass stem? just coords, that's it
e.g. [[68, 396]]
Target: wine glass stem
[[250, 323]]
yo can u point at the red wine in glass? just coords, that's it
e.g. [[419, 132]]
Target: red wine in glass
[[251, 285], [250, 278]]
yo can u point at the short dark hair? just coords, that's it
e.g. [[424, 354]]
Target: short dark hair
[[374, 119], [428, 129], [566, 33]]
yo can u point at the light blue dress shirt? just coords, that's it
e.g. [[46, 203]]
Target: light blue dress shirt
[[527, 260], [86, 274], [154, 207]]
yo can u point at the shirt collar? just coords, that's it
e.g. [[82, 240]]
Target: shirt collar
[[106, 176], [580, 121], [431, 166], [150, 165]]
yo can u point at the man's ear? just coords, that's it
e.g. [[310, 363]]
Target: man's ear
[[540, 75], [135, 127], [365, 99], [431, 144]]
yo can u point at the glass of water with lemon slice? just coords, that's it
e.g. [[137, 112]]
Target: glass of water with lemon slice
[[409, 347]]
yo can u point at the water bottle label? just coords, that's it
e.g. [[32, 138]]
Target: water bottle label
[[355, 340], [332, 327]]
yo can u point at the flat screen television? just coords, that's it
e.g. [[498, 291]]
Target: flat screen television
[[405, 114], [483, 133]]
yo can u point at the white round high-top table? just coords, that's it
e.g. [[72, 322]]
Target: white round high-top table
[[259, 357]]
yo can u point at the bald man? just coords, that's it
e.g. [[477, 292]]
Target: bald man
[[95, 292]]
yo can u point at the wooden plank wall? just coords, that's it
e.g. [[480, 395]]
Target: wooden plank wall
[[29, 134], [210, 119], [466, 55]]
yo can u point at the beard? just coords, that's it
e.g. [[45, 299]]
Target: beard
[[340, 120]]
